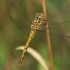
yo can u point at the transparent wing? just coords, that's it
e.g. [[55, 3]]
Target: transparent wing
[[59, 34], [58, 31], [22, 27], [19, 19], [17, 10]]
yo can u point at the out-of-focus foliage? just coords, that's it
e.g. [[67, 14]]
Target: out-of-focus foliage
[[13, 33]]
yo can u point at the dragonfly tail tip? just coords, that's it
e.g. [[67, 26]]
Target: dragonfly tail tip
[[18, 65]]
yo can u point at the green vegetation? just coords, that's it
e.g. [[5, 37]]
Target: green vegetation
[[15, 33]]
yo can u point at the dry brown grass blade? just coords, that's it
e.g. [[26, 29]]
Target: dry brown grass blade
[[47, 35], [9, 61]]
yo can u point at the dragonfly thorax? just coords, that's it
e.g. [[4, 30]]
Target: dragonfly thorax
[[38, 21]]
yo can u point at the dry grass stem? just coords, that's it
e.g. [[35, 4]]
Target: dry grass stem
[[9, 61], [47, 35]]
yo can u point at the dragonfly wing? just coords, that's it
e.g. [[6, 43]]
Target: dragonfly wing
[[19, 14], [56, 28], [22, 27], [57, 33], [21, 20]]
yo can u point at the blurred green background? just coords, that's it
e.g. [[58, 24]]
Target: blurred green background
[[15, 33]]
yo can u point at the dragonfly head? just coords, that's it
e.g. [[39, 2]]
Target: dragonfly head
[[40, 16], [36, 24]]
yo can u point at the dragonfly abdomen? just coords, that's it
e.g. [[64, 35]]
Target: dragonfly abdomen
[[32, 33], [34, 27]]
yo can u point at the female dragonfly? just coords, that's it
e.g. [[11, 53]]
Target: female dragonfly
[[35, 26]]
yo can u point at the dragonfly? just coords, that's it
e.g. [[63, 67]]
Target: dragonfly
[[35, 27]]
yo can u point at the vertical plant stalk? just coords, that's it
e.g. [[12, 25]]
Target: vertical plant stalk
[[47, 36], [9, 61]]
